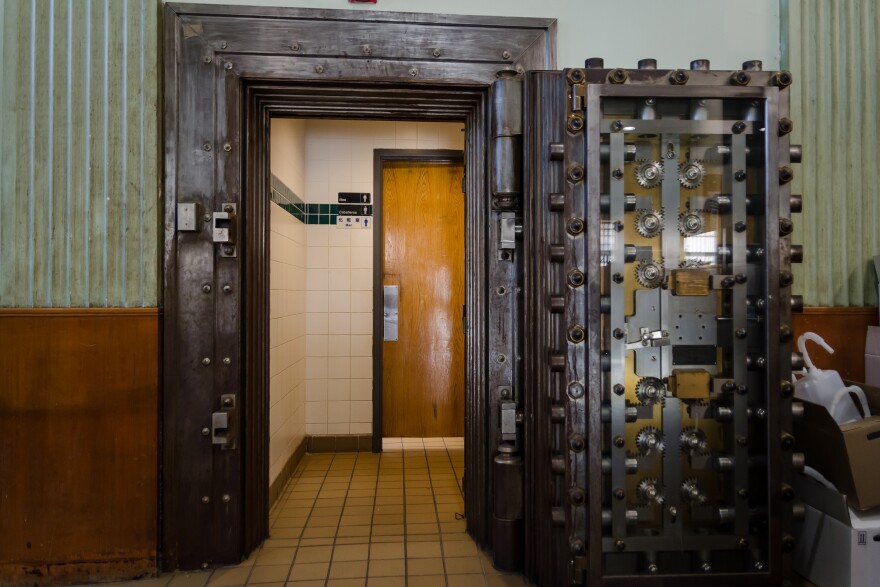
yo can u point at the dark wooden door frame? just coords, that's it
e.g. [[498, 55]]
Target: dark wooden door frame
[[380, 157], [227, 71]]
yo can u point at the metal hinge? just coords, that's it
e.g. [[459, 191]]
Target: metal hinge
[[578, 97]]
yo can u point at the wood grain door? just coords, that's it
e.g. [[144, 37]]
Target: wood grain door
[[423, 254]]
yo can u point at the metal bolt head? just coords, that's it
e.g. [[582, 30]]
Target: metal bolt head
[[367, 50], [619, 442], [618, 333], [227, 402], [740, 226], [785, 278], [319, 68], [740, 175], [207, 59], [206, 431], [740, 277], [227, 288], [617, 76], [786, 388], [226, 498], [437, 53], [207, 146], [228, 249], [739, 127], [414, 72], [653, 568], [206, 288], [295, 47], [227, 361], [619, 389], [227, 147], [742, 440], [620, 545], [617, 278], [729, 386], [785, 333], [742, 543], [206, 499], [740, 78], [206, 361], [742, 389], [707, 568], [617, 126], [206, 218], [617, 174], [575, 390], [786, 174], [619, 493], [227, 65], [223, 45], [785, 126], [505, 54]]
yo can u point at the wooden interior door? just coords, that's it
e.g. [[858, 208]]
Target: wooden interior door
[[423, 254]]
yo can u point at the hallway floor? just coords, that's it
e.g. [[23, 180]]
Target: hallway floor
[[364, 519]]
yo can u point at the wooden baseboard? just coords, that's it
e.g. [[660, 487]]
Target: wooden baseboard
[[277, 486], [79, 460], [844, 328]]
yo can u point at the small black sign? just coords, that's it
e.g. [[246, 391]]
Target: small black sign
[[354, 198], [355, 211]]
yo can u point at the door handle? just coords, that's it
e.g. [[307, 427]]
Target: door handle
[[223, 229], [391, 293]]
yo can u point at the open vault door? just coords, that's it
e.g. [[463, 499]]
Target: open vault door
[[643, 427]]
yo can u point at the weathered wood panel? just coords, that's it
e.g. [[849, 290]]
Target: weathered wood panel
[[79, 457], [78, 153]]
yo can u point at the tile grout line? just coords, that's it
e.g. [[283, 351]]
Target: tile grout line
[[437, 515], [339, 523], [405, 534], [372, 518]]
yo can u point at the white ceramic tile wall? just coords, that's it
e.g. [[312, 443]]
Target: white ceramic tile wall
[[287, 302], [339, 274]]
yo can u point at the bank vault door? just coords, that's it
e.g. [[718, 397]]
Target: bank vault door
[[655, 393]]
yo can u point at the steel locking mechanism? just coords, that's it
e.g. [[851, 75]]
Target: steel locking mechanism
[[224, 429], [223, 229]]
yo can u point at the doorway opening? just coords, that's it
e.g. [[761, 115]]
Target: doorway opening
[[348, 197]]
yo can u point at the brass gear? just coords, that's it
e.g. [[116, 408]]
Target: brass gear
[[693, 441], [692, 492], [650, 440], [650, 491], [691, 222], [649, 223], [690, 173], [648, 174], [650, 390], [650, 274]]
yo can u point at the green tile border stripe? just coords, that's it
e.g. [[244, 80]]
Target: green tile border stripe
[[305, 213]]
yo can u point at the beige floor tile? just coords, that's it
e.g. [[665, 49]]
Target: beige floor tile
[[327, 511], [319, 583], [282, 533], [424, 566], [353, 531], [386, 551], [428, 518], [309, 571], [357, 510], [453, 548], [360, 582], [356, 520], [224, 577], [468, 580], [383, 519], [295, 522], [422, 529], [319, 532], [357, 552], [428, 581], [423, 550], [386, 582], [195, 579], [314, 554], [354, 539], [269, 574], [275, 556], [463, 565], [326, 541], [388, 530], [359, 501], [348, 569], [388, 568], [379, 539], [453, 527]]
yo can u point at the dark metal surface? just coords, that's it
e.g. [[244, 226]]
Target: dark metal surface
[[227, 72]]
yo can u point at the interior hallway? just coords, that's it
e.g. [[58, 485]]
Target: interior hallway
[[365, 519]]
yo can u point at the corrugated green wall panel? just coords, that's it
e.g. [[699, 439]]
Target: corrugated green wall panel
[[79, 160], [833, 54]]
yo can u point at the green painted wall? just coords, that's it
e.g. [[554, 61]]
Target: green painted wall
[[80, 150], [79, 159], [833, 53]]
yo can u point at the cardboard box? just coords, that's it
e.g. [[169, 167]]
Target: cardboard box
[[847, 455], [836, 545]]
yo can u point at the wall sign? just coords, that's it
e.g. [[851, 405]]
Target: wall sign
[[353, 198], [355, 210]]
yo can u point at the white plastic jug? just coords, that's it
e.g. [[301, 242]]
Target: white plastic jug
[[826, 387]]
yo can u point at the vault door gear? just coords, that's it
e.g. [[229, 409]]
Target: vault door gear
[[657, 340]]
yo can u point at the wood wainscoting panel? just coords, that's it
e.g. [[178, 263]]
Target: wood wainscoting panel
[[844, 329], [79, 416]]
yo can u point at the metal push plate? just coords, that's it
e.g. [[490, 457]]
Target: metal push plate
[[391, 297]]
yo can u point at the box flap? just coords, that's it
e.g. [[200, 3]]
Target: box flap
[[872, 394], [822, 442], [824, 499]]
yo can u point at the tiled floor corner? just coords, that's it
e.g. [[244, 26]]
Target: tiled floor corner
[[366, 520]]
